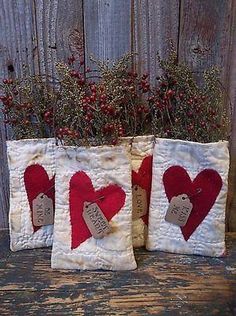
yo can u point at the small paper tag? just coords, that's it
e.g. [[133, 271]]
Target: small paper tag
[[179, 210], [140, 207], [95, 220], [43, 213]]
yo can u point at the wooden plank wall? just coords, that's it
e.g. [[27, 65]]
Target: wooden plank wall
[[231, 81], [39, 33]]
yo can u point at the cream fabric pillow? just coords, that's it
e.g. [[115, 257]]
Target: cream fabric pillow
[[208, 237], [83, 175], [21, 155], [139, 148]]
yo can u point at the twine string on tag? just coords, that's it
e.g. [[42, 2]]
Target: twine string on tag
[[94, 201], [44, 193], [198, 191], [131, 144]]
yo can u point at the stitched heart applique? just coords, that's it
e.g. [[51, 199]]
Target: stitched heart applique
[[110, 200], [37, 181], [143, 178], [177, 181]]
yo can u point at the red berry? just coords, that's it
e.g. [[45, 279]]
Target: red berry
[[103, 97], [93, 98], [151, 99], [170, 93], [203, 124], [145, 76], [71, 59], [90, 114], [110, 109], [73, 73], [93, 88], [181, 96], [111, 127], [103, 107], [163, 84], [114, 141], [47, 114], [81, 81]]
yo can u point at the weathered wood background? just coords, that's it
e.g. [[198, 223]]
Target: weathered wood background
[[38, 33]]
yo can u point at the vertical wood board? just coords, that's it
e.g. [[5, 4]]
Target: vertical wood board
[[204, 38], [107, 29], [35, 34], [232, 94], [155, 23]]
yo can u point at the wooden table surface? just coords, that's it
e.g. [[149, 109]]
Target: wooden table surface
[[163, 284]]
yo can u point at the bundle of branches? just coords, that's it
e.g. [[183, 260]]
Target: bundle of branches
[[119, 103]]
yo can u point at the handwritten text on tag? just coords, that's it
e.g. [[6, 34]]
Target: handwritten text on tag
[[43, 210], [139, 200], [179, 210], [95, 220]]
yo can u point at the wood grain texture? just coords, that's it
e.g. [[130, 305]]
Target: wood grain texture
[[205, 40], [155, 23], [18, 37], [163, 284], [107, 29], [57, 25], [17, 50], [69, 29], [232, 94], [34, 36]]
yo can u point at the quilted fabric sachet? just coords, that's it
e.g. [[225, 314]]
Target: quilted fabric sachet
[[32, 171], [140, 150], [188, 199], [93, 209]]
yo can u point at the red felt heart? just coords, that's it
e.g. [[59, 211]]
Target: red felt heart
[[37, 181], [177, 181], [143, 178], [109, 199]]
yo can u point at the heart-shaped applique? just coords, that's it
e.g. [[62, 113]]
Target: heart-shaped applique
[[177, 181], [109, 199], [143, 178], [37, 181]]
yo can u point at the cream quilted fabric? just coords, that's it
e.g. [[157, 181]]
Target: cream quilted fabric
[[21, 154], [142, 146], [104, 165], [209, 238]]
